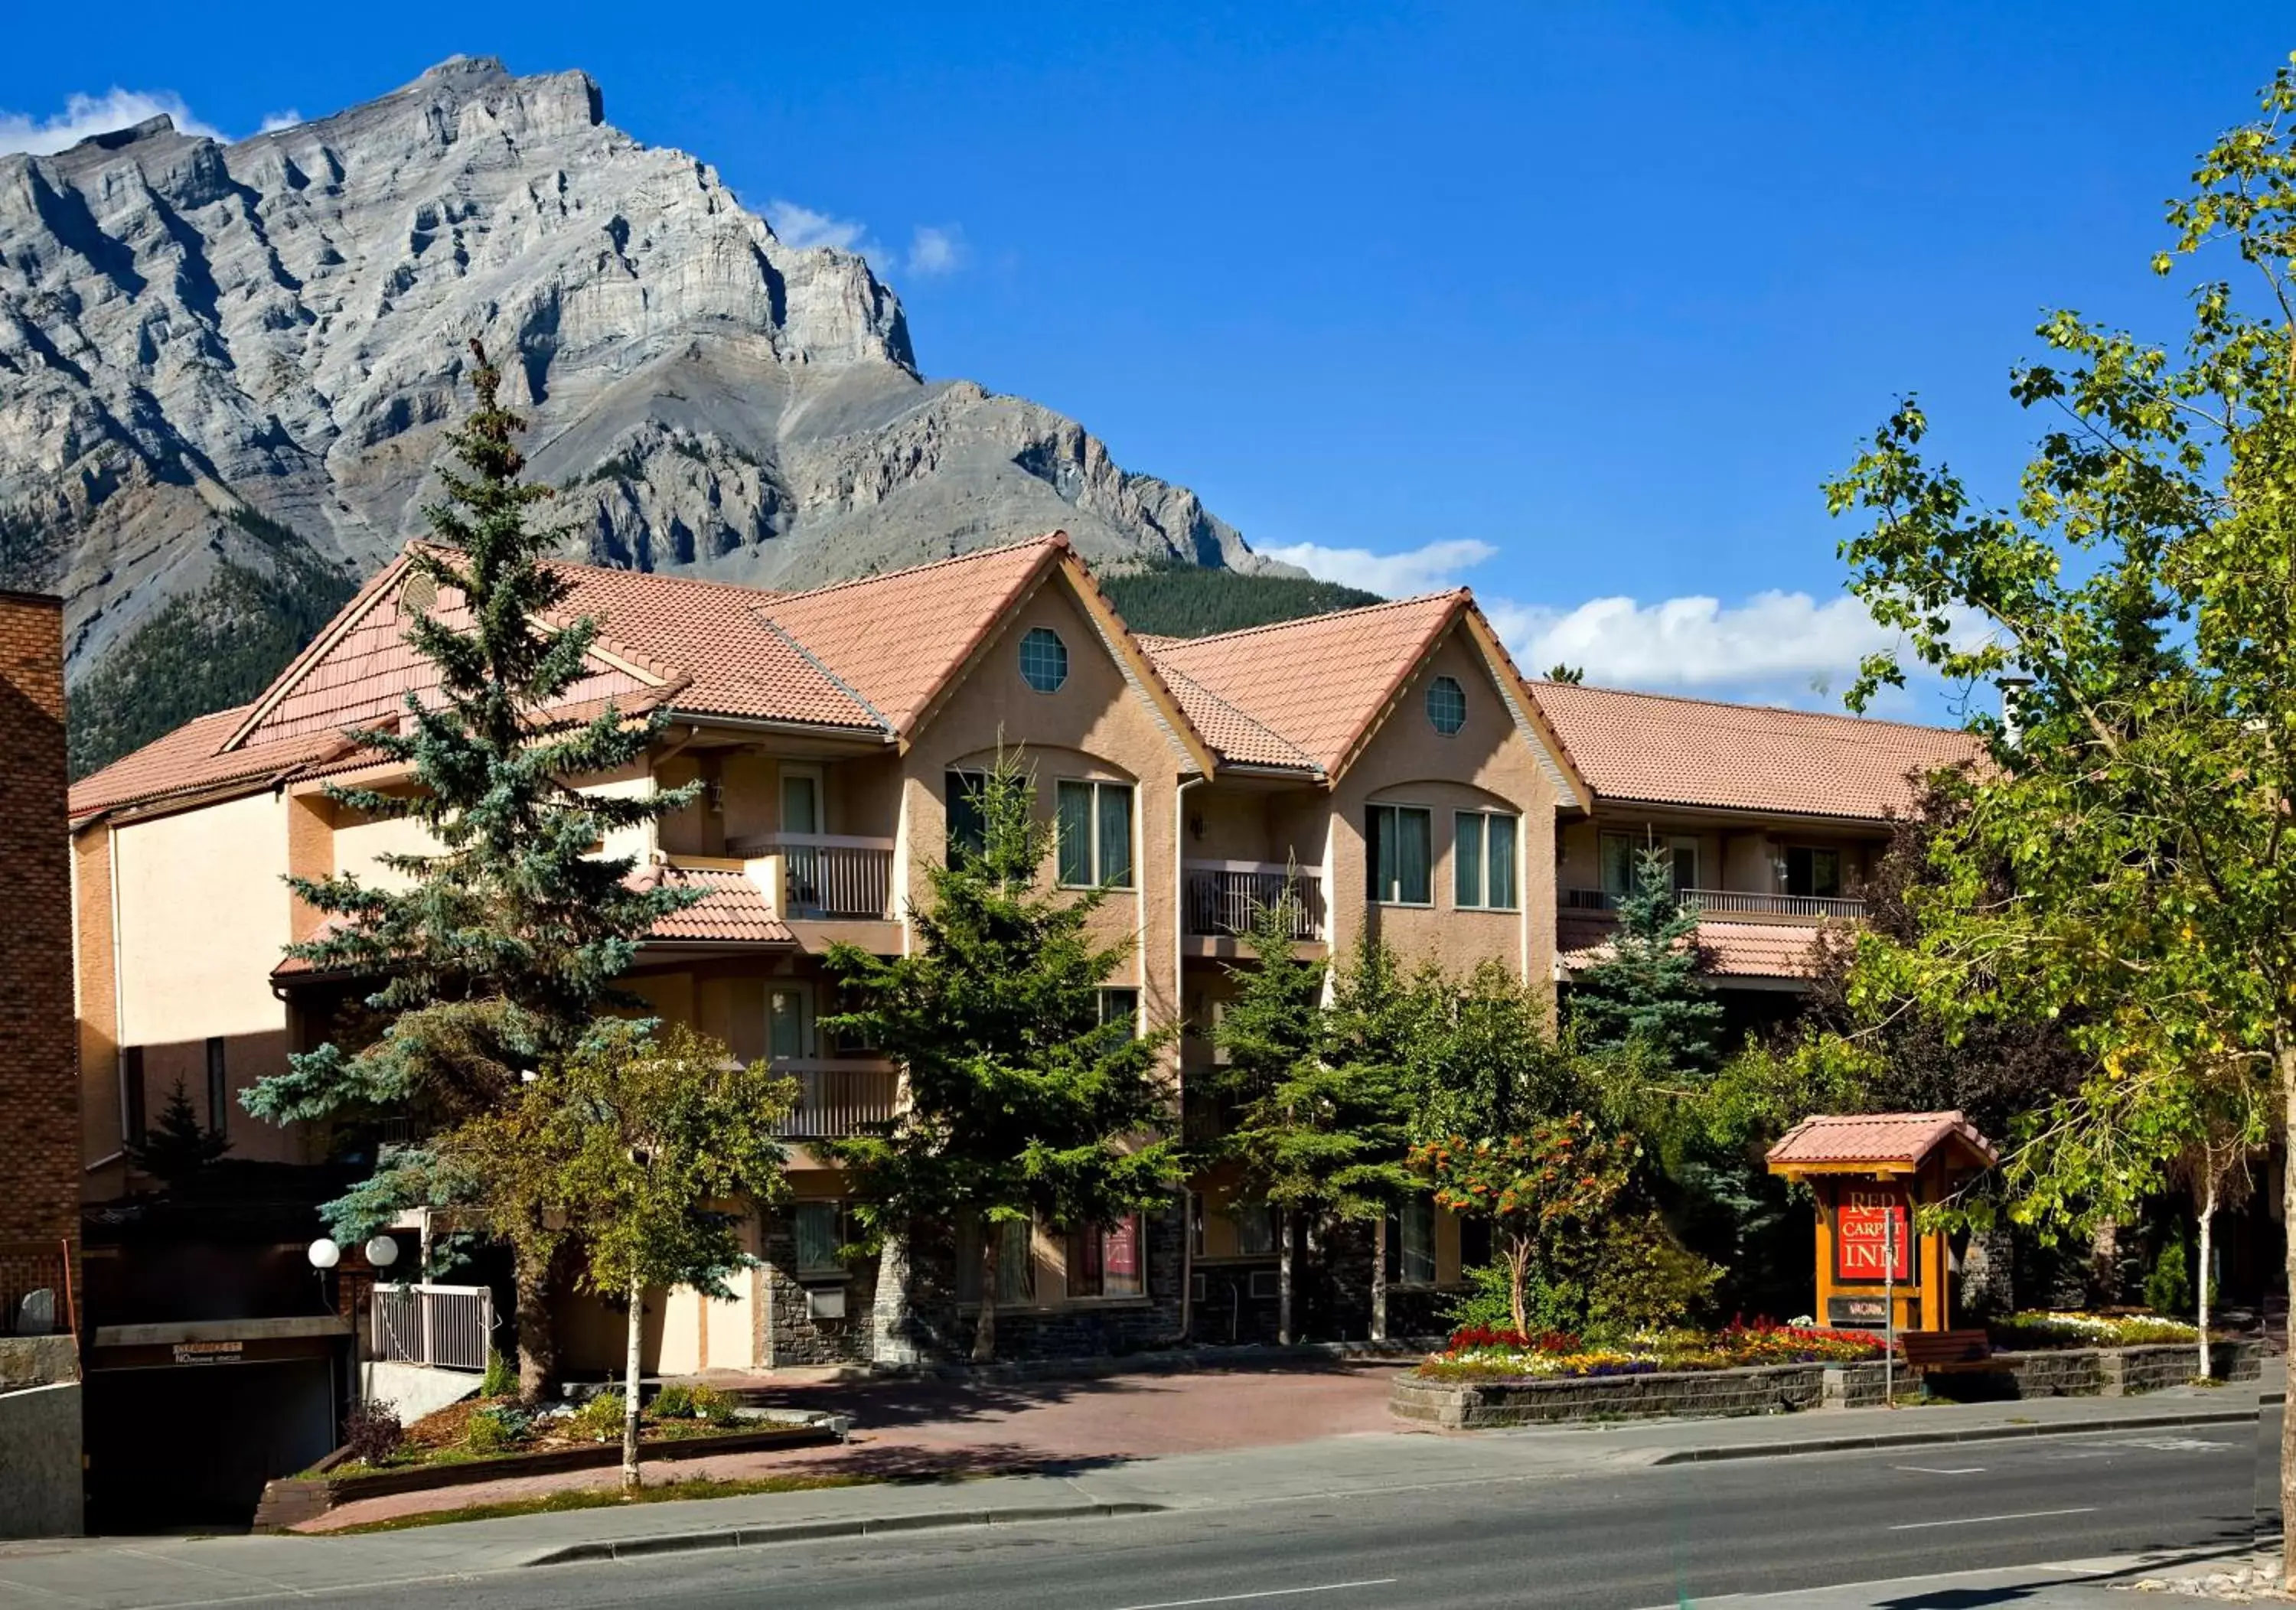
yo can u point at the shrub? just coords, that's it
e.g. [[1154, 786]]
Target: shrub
[[372, 1433], [2168, 1288], [674, 1402], [2033, 1329], [708, 1403], [500, 1378], [600, 1418], [494, 1429]]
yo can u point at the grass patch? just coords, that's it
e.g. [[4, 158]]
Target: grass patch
[[609, 1498]]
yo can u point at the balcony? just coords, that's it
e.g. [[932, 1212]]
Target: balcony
[[1223, 898], [824, 876], [838, 1097], [1737, 902]]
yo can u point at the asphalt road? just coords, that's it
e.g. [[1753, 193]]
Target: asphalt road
[[1648, 1537]]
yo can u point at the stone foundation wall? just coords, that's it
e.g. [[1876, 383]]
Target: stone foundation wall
[[794, 1335], [941, 1328]]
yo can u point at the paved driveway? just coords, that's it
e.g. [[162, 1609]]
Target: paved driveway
[[923, 1429]]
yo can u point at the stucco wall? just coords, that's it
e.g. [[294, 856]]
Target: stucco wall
[[203, 918], [40, 1461]]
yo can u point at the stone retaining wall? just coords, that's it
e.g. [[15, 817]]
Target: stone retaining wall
[[1781, 1388]]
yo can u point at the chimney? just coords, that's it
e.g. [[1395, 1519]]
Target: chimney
[[2012, 692]]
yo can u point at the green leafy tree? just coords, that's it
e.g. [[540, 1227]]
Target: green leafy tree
[[506, 939], [2140, 590], [175, 1150], [1547, 1194], [1649, 995], [1022, 1106], [1568, 674], [636, 1141]]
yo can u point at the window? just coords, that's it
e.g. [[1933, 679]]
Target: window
[[819, 1231], [1093, 833], [1812, 872], [1043, 659], [1622, 854], [1120, 1008], [1255, 1229], [1016, 1261], [1482, 860], [968, 822], [1400, 843], [800, 800], [1266, 1283], [1446, 705], [132, 1122], [787, 1016], [1104, 1259], [218, 1088], [1474, 1243], [1411, 1244]]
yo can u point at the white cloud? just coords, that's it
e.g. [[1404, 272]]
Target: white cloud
[[936, 251], [1776, 645], [804, 228], [273, 122], [84, 115], [1425, 569]]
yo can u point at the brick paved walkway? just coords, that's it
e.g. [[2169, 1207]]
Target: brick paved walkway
[[924, 1429]]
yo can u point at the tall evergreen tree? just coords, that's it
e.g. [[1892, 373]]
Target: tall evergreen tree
[[178, 1147], [507, 936], [1023, 1106], [1271, 1030], [1649, 997]]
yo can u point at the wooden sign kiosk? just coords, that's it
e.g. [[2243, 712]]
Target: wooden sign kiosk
[[1873, 1172]]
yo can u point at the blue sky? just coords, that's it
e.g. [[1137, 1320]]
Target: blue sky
[[1576, 303]]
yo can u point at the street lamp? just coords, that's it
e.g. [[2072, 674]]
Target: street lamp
[[383, 1252], [323, 1254]]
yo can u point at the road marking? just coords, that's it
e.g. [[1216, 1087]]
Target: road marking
[[1230, 1598], [1947, 1470], [1987, 1520]]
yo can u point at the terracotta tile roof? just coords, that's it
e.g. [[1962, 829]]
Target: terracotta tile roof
[[1233, 735], [1751, 757], [1733, 950], [187, 761], [1905, 1138], [896, 638], [1317, 683], [733, 910]]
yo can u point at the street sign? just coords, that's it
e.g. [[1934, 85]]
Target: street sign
[[1872, 1238], [210, 1353], [1856, 1314]]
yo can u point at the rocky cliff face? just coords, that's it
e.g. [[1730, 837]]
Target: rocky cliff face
[[224, 370]]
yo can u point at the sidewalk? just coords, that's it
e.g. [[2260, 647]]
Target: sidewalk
[[132, 1573]]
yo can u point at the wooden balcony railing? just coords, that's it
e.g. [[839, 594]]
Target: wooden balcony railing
[[826, 875], [36, 1289], [838, 1097], [1223, 898]]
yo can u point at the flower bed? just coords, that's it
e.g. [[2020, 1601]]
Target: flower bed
[[1480, 1354], [2036, 1330]]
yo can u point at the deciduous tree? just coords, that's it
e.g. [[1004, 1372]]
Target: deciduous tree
[[1547, 1193]]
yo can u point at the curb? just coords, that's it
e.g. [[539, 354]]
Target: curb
[[1972, 1434], [801, 1532]]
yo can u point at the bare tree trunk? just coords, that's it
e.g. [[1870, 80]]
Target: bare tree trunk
[[1283, 1337], [1518, 1258], [1379, 1279], [537, 1344], [630, 1387], [2208, 1219], [984, 1326]]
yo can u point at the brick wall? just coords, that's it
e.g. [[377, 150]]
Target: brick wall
[[39, 1077]]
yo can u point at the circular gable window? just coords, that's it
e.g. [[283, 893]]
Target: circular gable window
[[1043, 659], [1446, 705]]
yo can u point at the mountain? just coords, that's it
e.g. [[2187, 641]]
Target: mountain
[[226, 371]]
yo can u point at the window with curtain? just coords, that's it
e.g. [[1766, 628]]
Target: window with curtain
[[1399, 853], [1482, 860], [818, 1229], [968, 822], [1092, 834], [1105, 1260], [1255, 1229]]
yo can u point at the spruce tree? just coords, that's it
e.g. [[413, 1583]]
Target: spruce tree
[[176, 1147], [508, 936], [1649, 997], [1023, 1107]]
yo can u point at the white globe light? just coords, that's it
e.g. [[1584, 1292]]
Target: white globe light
[[323, 1254], [383, 1252]]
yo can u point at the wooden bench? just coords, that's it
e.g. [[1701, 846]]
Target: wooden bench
[[1951, 1352]]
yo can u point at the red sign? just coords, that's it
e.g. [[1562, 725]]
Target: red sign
[[1873, 1240]]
